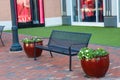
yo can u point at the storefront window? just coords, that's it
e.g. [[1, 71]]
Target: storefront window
[[23, 11], [30, 13], [88, 10]]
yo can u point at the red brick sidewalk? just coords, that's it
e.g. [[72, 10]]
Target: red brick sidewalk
[[17, 66]]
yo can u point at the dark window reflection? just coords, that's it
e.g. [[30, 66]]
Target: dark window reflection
[[100, 10]]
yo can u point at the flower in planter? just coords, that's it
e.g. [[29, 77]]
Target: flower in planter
[[89, 53], [29, 44], [95, 62], [30, 40]]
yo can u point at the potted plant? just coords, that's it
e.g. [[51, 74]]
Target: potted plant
[[95, 62], [28, 45]]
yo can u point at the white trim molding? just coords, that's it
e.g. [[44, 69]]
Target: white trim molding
[[88, 24]]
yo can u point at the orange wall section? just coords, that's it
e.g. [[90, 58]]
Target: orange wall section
[[5, 14], [52, 8]]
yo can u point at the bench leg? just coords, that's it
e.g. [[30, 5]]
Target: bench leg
[[35, 53], [70, 63], [2, 42], [51, 54]]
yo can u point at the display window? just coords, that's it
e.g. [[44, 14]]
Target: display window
[[23, 11], [30, 13], [88, 10]]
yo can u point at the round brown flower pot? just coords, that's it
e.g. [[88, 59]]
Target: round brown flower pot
[[96, 67], [29, 49]]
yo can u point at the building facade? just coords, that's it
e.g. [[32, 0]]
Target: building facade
[[57, 12], [52, 13]]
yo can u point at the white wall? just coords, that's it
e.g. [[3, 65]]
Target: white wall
[[53, 21], [7, 24], [48, 22]]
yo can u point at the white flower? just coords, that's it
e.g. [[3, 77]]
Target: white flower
[[86, 50]]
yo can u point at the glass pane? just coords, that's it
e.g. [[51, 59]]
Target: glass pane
[[35, 11], [119, 10], [64, 7], [100, 10], [75, 10], [23, 11], [41, 12], [88, 12]]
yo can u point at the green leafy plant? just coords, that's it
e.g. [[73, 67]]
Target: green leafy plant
[[32, 39], [89, 53]]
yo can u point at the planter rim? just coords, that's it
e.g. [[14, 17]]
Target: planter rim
[[95, 57], [32, 42]]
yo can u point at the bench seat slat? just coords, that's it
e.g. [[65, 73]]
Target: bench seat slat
[[60, 50]]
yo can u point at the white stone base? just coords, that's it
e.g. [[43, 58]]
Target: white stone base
[[7, 24], [53, 21]]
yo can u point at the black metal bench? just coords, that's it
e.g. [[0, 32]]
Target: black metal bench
[[66, 43], [1, 30]]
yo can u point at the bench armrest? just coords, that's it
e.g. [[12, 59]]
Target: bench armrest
[[71, 47]]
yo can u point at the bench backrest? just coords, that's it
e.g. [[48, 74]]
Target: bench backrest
[[66, 39]]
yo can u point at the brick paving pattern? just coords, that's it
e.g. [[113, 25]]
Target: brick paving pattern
[[17, 66]]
